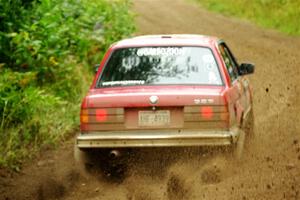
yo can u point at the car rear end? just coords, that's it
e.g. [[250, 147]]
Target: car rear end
[[175, 120], [157, 96]]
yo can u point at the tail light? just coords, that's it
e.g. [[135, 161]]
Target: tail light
[[84, 116], [101, 115], [207, 112], [94, 119]]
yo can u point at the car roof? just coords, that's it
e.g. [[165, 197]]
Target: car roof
[[167, 40]]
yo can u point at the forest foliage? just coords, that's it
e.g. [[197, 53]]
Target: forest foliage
[[47, 52]]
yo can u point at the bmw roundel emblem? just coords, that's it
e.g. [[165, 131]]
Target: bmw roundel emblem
[[153, 99]]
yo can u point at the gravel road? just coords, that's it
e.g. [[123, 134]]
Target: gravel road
[[271, 168]]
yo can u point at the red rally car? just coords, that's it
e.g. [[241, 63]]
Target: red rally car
[[167, 91]]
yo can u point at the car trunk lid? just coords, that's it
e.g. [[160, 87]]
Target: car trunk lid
[[177, 107]]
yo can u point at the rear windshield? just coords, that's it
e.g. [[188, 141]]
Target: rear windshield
[[160, 66]]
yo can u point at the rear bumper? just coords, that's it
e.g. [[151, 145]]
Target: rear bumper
[[156, 138]]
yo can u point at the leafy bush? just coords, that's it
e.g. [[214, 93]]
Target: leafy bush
[[46, 50]]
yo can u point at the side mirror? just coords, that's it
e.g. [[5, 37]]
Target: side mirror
[[246, 68], [96, 67]]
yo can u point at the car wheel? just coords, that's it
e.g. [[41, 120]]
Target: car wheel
[[248, 126], [246, 134], [239, 146], [82, 161]]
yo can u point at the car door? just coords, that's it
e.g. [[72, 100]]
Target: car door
[[237, 91]]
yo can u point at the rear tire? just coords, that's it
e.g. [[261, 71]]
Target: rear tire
[[248, 126], [96, 163], [239, 146], [246, 135], [82, 161]]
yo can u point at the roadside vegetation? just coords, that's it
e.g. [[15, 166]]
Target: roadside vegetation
[[282, 15], [47, 52]]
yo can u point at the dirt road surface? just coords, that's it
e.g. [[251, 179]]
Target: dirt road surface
[[270, 170]]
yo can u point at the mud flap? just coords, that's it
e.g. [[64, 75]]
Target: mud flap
[[239, 146]]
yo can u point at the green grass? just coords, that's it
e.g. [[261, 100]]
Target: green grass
[[47, 52], [282, 15]]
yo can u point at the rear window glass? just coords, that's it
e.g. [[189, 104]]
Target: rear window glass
[[160, 66]]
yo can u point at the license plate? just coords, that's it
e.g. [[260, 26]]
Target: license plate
[[154, 118]]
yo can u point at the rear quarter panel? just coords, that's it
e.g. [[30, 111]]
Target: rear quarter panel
[[232, 92]]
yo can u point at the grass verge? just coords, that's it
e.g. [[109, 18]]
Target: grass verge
[[282, 15]]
